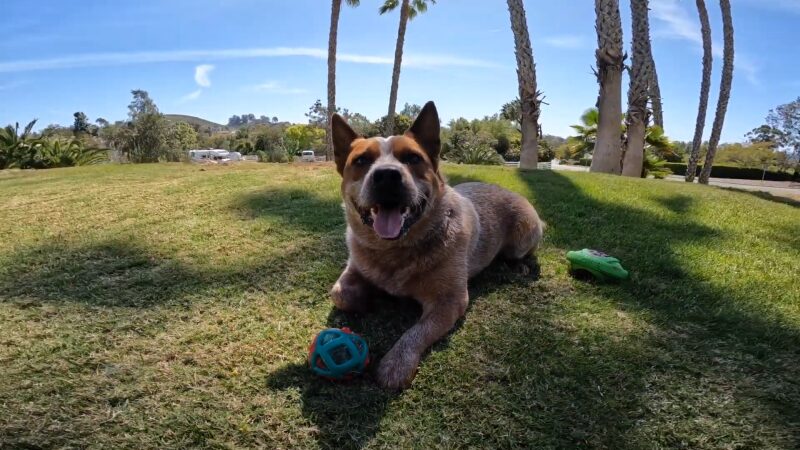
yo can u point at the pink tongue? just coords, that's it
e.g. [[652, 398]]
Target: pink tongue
[[388, 223]]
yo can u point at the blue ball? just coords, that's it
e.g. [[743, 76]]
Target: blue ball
[[338, 354]]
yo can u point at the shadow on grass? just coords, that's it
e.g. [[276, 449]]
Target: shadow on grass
[[704, 327], [768, 196], [297, 207], [113, 273], [348, 414]]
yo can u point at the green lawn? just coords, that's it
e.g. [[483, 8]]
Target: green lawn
[[171, 306]]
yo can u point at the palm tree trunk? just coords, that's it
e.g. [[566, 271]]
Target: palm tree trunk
[[705, 86], [607, 155], [724, 89], [655, 95], [398, 60], [336, 7], [637, 117], [528, 94]]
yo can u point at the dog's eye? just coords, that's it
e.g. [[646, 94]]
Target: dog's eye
[[412, 158], [361, 161]]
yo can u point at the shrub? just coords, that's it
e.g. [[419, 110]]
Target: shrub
[[467, 147], [740, 173]]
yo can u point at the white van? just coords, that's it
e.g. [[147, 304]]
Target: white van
[[307, 156]]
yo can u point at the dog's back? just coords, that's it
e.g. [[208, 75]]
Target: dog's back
[[508, 225]]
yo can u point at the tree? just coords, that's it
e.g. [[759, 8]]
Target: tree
[[409, 9], [655, 94], [18, 149], [141, 104], [101, 122], [182, 137], [306, 136], [583, 144], [81, 124], [786, 120], [641, 76], [336, 6], [400, 125], [610, 63], [765, 133], [318, 114], [705, 86], [411, 110], [724, 89], [59, 152], [274, 119], [528, 93]]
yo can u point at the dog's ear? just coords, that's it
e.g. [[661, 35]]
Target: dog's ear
[[425, 130], [343, 137]]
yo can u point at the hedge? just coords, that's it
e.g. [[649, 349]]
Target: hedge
[[740, 173]]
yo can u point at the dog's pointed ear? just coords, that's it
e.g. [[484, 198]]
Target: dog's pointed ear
[[343, 137], [425, 130]]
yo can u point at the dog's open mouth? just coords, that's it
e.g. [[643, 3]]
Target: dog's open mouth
[[391, 221]]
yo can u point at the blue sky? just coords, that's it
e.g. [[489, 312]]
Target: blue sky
[[216, 58]]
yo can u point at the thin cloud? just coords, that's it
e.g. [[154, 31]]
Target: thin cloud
[[191, 96], [567, 42], [679, 24], [274, 87], [128, 58], [201, 75]]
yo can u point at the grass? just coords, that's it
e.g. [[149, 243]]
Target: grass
[[157, 306]]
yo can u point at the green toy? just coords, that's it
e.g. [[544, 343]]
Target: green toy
[[338, 354], [603, 267]]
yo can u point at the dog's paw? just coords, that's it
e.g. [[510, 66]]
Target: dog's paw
[[397, 369], [347, 300], [527, 267]]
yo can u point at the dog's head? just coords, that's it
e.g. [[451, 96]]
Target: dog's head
[[389, 184]]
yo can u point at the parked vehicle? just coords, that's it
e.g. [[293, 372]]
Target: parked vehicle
[[307, 156], [219, 155]]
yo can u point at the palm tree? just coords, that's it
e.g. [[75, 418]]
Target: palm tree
[[610, 63], [637, 117], [724, 89], [336, 6], [582, 145], [67, 153], [409, 9], [17, 149], [705, 86], [528, 94]]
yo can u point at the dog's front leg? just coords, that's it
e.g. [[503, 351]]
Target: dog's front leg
[[352, 292], [399, 366]]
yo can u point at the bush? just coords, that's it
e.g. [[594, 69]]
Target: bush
[[585, 162], [467, 147], [740, 173]]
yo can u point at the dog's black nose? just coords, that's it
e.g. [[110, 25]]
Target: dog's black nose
[[387, 177]]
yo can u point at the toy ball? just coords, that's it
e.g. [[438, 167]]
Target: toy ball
[[338, 354]]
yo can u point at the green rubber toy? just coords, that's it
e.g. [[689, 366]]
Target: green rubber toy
[[603, 267]]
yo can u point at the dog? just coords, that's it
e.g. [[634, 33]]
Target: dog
[[409, 234]]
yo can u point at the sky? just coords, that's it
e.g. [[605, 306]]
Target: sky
[[216, 58]]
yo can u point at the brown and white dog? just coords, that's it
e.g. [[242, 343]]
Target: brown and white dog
[[411, 235]]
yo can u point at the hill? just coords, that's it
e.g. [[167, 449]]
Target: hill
[[171, 306], [192, 120]]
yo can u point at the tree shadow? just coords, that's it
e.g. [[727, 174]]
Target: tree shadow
[[112, 273], [700, 332], [296, 207], [679, 204], [768, 196]]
